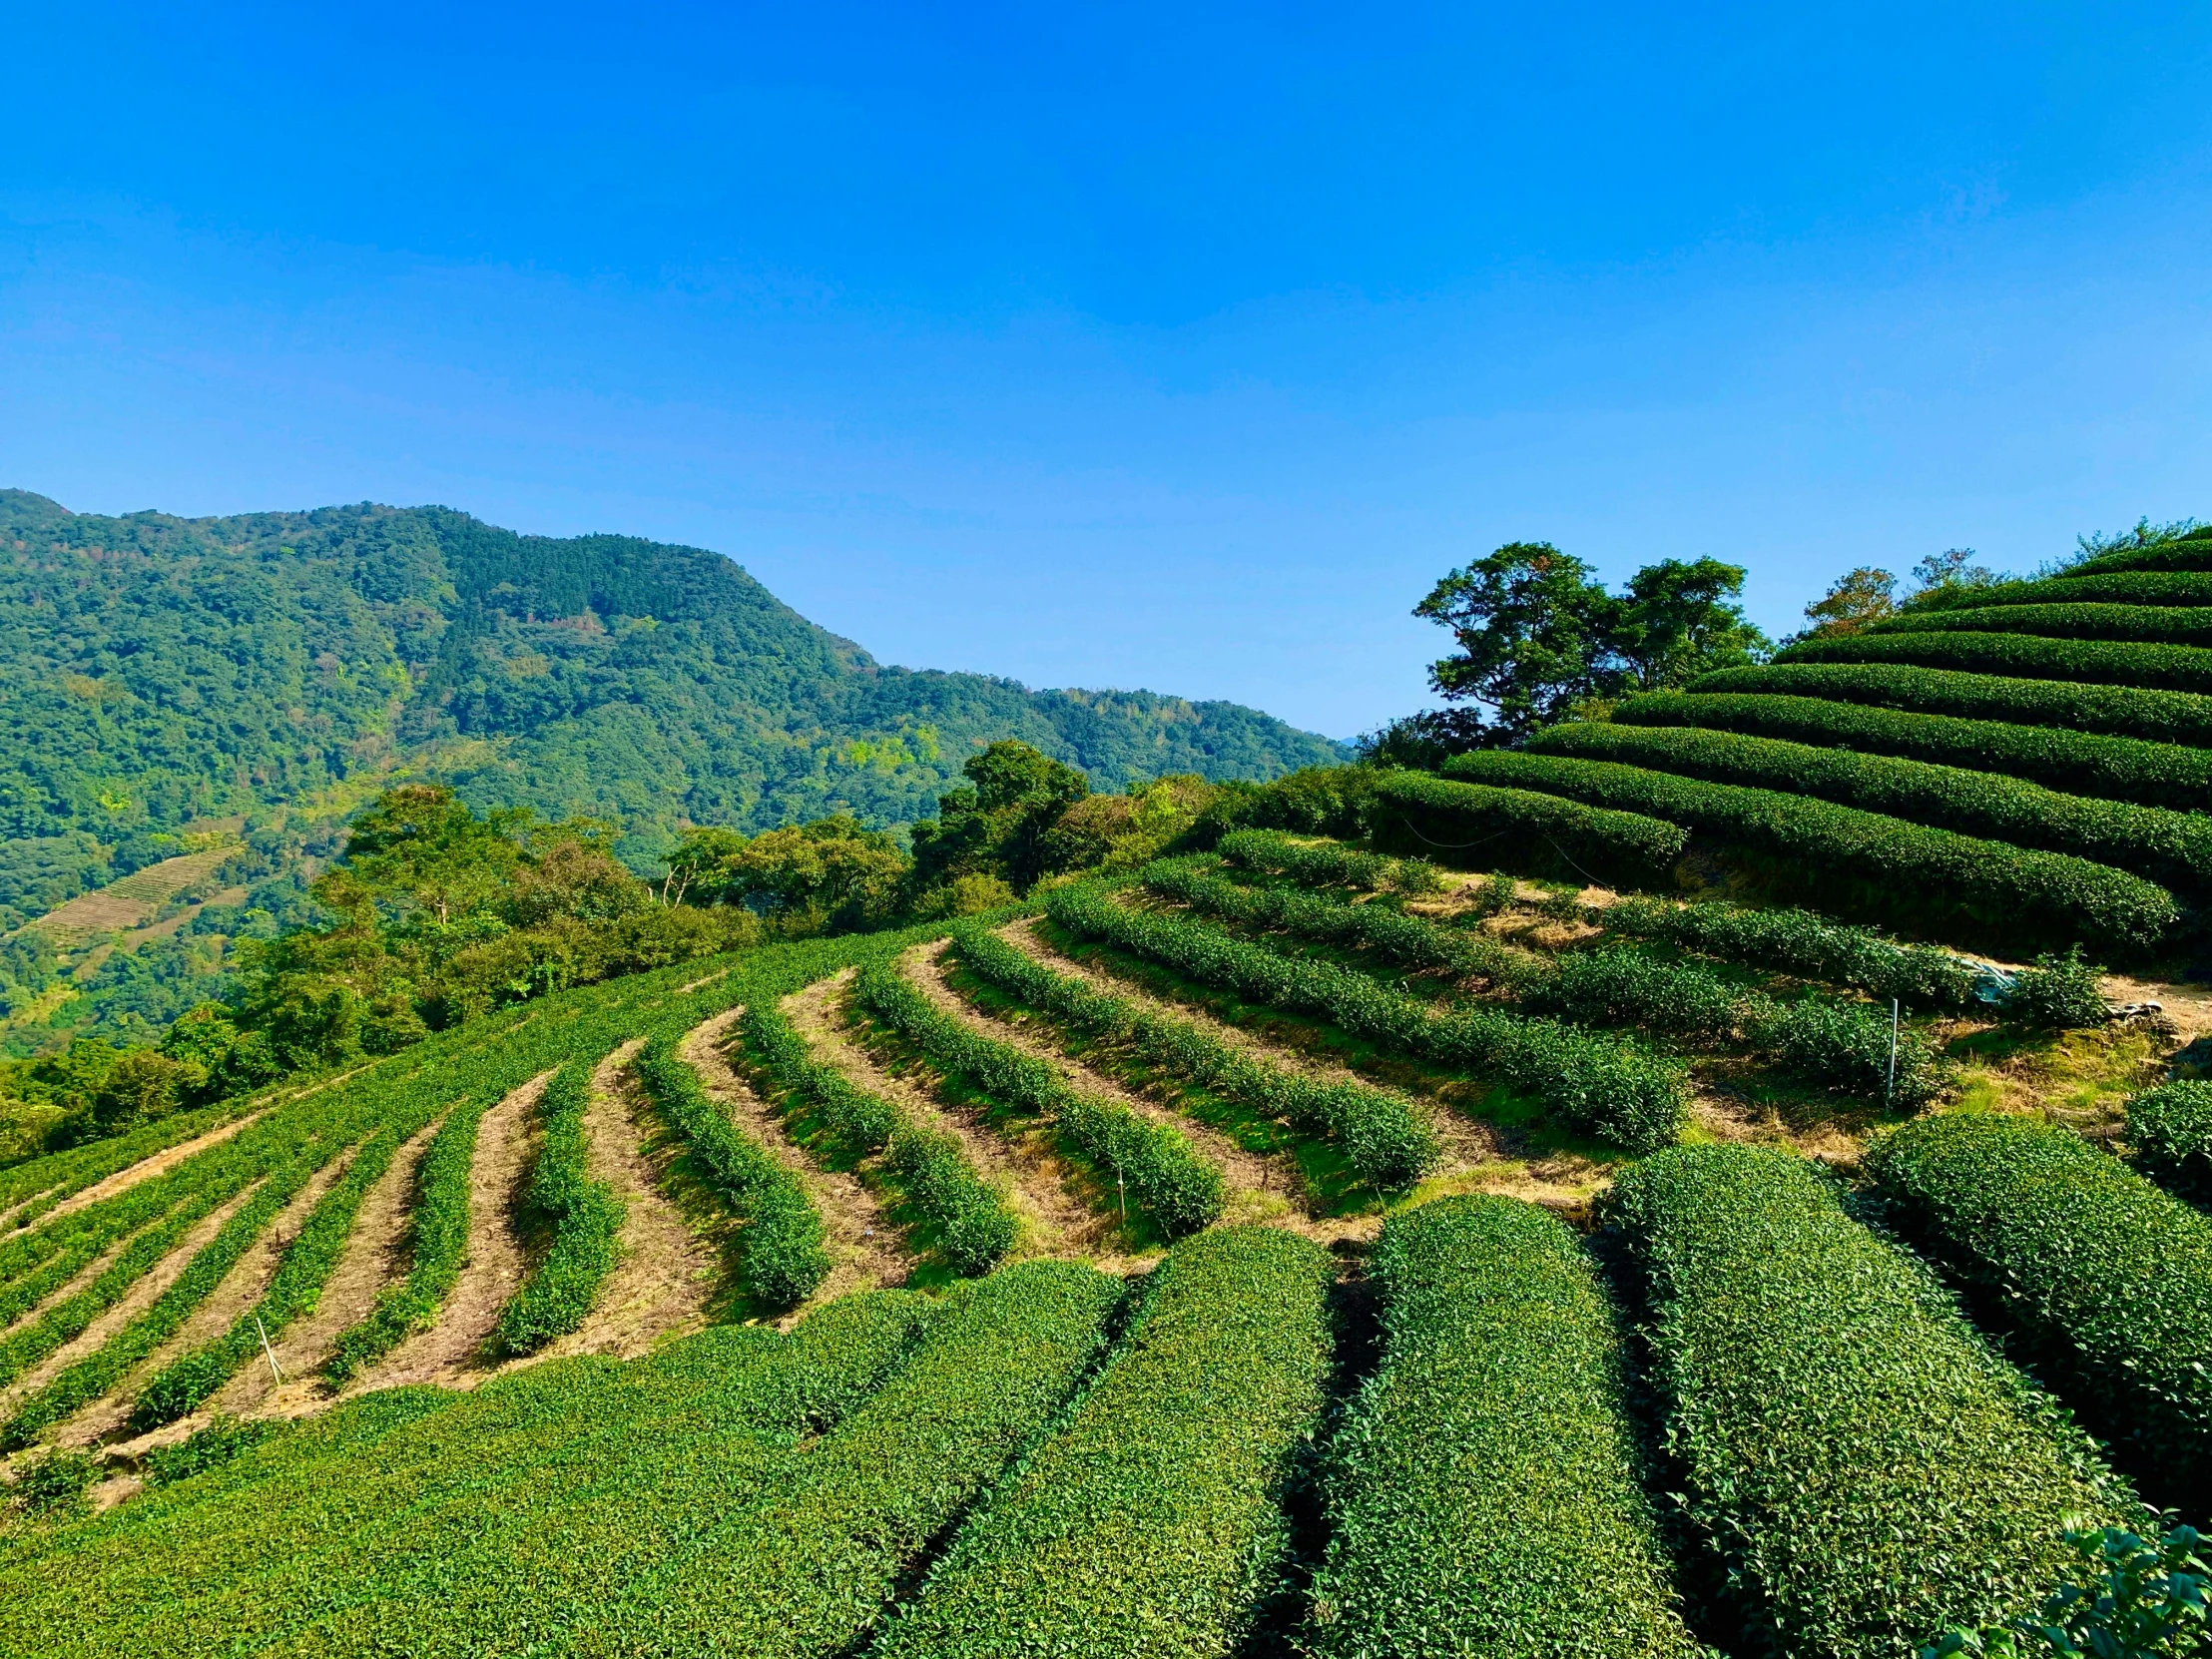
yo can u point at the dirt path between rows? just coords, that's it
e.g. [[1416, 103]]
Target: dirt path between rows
[[1254, 1188], [666, 1276], [864, 1249], [80, 1281], [123, 1180], [240, 1290], [450, 1353], [1054, 1220]]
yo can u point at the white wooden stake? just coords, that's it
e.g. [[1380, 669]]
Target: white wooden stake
[[268, 1353]]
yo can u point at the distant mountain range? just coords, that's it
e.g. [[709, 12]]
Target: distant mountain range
[[158, 671]]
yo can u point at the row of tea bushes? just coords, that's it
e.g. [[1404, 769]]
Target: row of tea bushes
[[2172, 667]]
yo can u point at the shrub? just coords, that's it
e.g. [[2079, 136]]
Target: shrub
[[2002, 888], [2129, 1597], [2176, 668], [1386, 1137], [2135, 586], [781, 1248], [2169, 774], [2174, 848], [206, 1447], [1865, 1471], [2149, 624], [1483, 1490], [1619, 985], [55, 1484], [585, 1217], [1586, 1083], [2170, 1128], [1163, 1176], [1151, 1523], [859, 1124], [1526, 828], [1847, 1047], [1327, 864], [2103, 1281], [2189, 552], [1802, 944], [2124, 711], [2060, 994]]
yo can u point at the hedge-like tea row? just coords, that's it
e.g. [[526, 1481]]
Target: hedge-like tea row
[[2079, 763], [2174, 848], [808, 1574], [2170, 1128], [1594, 1085], [780, 1249], [180, 1386], [1802, 944], [1150, 1523], [1996, 885], [2176, 668], [1484, 1490], [38, 1184], [975, 1228], [1867, 1470], [2143, 624], [2121, 711], [1528, 829], [585, 1217], [2190, 552], [1327, 864], [2137, 585], [1384, 1136], [439, 1249], [2105, 1280], [1163, 1176]]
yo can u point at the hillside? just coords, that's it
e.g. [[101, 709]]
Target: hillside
[[157, 671]]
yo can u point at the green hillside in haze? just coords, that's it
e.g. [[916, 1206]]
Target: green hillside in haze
[[157, 671]]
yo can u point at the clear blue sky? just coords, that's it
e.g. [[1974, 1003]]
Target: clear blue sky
[[1134, 345]]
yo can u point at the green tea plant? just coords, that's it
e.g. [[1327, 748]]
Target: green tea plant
[[582, 1215], [1802, 944], [2123, 710], [1864, 1468], [1312, 863], [1150, 1521], [1156, 1166], [2058, 993], [2139, 585], [2174, 668], [2104, 1282], [2168, 846], [2130, 1597], [2190, 552], [206, 1447], [1484, 1490], [2149, 624], [1989, 882], [1532, 829], [38, 1184], [54, 1486], [1590, 1084], [2169, 774], [2171, 1129], [1387, 1137]]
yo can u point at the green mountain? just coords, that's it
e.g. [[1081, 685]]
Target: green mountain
[[157, 671]]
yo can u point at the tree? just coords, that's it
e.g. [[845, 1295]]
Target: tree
[[1534, 634], [1680, 620], [996, 824], [1854, 599], [1948, 575], [831, 874], [419, 848], [1426, 740]]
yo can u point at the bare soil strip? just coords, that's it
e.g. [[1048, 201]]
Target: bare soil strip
[[1254, 1187], [1054, 1222], [240, 1288], [375, 1253], [667, 1273], [1477, 1157], [450, 1353], [863, 1247], [123, 1180]]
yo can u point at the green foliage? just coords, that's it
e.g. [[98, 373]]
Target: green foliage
[[829, 876], [1525, 829], [2173, 668], [1151, 1521], [998, 821], [1853, 1049], [2103, 1281], [1162, 1175], [780, 1248], [1856, 600], [206, 1447], [2078, 763], [1484, 1491], [2144, 624], [2058, 993], [2171, 1129], [2130, 1597], [932, 1170], [55, 1484], [2081, 586], [2167, 847], [584, 1218], [1864, 1468], [1802, 944], [2180, 545], [1591, 1085], [1867, 858], [1328, 863], [1386, 1137]]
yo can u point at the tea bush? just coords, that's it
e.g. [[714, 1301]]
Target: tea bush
[[2173, 668], [2150, 623], [1803, 943], [1530, 828], [2170, 1128], [585, 1217], [1327, 864]]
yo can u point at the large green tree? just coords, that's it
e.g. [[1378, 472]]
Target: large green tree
[[995, 824]]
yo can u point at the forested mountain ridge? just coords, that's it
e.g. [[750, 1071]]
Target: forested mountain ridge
[[155, 671]]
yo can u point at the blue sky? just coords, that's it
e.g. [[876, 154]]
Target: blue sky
[[1136, 345]]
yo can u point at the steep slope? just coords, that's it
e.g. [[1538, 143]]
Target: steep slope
[[157, 670]]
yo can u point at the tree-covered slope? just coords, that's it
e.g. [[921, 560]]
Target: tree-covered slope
[[156, 670]]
